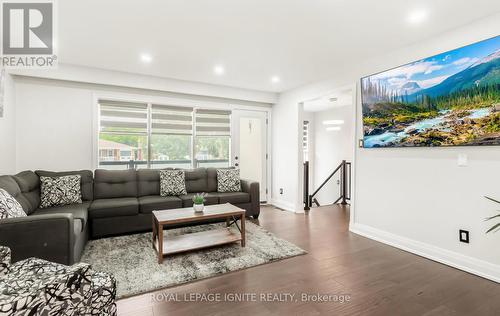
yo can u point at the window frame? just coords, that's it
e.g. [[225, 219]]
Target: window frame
[[194, 161], [149, 134]]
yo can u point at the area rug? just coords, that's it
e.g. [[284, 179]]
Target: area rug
[[133, 261]]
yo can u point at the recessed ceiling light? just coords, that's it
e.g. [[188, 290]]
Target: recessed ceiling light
[[333, 128], [219, 70], [146, 58], [275, 79], [333, 122], [417, 16]]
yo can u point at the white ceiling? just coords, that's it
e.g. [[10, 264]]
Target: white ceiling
[[299, 41], [334, 99]]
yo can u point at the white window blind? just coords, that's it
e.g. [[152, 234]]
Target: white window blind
[[138, 135], [171, 120], [123, 117], [213, 123]]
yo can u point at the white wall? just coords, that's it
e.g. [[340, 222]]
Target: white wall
[[53, 126], [55, 121], [413, 198], [331, 147], [73, 73], [7, 129], [285, 154]]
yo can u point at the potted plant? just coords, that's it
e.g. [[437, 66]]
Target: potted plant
[[495, 227], [199, 202]]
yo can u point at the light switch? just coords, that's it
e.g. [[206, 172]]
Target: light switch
[[462, 160]]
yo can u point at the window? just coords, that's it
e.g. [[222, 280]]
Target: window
[[136, 135], [213, 138], [171, 136], [123, 130]]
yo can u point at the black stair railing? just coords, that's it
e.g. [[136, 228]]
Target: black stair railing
[[345, 185]]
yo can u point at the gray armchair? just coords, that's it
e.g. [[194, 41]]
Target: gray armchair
[[38, 287]]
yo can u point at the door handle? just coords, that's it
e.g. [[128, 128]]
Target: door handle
[[236, 164]]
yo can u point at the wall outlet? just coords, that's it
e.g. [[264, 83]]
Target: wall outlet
[[463, 236], [281, 191]]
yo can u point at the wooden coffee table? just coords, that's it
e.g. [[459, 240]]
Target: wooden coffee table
[[169, 245]]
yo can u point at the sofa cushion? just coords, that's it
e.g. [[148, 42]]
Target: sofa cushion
[[212, 178], [234, 197], [9, 184], [79, 211], [150, 203], [172, 182], [87, 178], [210, 199], [29, 183], [59, 191], [114, 207], [148, 182], [228, 180], [196, 180], [9, 206], [109, 184]]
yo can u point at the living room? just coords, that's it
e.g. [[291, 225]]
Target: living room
[[249, 158]]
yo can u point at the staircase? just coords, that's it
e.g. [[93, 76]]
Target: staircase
[[343, 171]]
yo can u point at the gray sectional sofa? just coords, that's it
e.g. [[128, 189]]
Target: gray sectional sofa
[[114, 202]]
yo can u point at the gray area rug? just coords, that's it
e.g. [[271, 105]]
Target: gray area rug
[[133, 261]]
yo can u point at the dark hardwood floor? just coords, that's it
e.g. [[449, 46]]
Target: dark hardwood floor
[[380, 280]]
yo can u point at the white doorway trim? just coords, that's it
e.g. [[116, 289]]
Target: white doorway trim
[[354, 95]]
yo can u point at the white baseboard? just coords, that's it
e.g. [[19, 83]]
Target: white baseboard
[[283, 205], [472, 265]]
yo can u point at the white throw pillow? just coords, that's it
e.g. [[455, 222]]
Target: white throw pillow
[[172, 182], [228, 180], [59, 191], [9, 206]]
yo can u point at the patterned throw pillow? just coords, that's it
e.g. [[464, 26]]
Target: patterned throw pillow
[[172, 182], [228, 180], [9, 206], [59, 191]]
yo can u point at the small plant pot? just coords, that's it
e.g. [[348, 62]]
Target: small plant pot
[[198, 208]]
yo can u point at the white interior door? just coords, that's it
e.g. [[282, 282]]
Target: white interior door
[[249, 146]]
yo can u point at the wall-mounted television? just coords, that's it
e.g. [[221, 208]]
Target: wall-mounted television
[[451, 99]]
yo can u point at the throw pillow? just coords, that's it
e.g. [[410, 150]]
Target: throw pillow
[[228, 180], [172, 182], [59, 191], [9, 206]]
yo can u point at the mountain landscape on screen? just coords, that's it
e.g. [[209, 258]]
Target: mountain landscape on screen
[[449, 99]]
